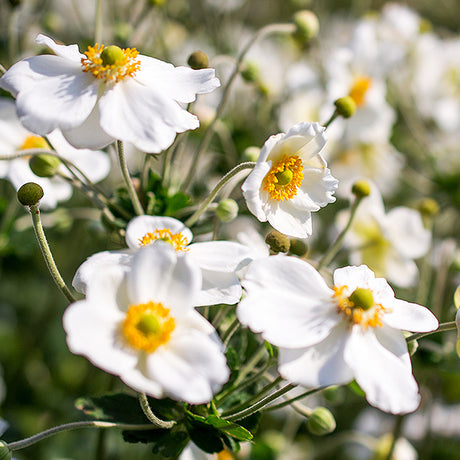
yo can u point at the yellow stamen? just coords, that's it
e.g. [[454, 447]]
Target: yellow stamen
[[359, 89], [113, 68], [34, 142], [284, 178], [370, 317], [177, 240], [148, 326]]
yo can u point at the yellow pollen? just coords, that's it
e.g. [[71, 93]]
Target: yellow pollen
[[147, 326], [34, 142], [284, 178], [125, 65], [177, 240], [359, 89], [371, 317]]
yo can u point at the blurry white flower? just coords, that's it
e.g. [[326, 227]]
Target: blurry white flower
[[217, 260], [105, 94], [14, 138], [290, 180], [387, 242], [332, 336], [139, 323]]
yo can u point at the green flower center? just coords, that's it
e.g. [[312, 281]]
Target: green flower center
[[112, 55], [362, 298], [284, 177], [149, 325]]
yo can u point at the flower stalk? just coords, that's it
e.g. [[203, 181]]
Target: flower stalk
[[158, 423]]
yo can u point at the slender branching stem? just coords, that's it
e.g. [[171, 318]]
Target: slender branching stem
[[145, 406]]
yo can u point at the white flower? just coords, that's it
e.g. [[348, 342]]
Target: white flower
[[290, 180], [105, 94], [387, 242], [139, 323], [332, 336], [217, 260], [14, 138]]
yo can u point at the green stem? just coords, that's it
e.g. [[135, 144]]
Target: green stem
[[43, 243], [72, 426], [145, 406], [442, 327], [334, 248], [227, 335], [261, 404], [252, 363], [333, 117], [271, 28], [396, 433], [129, 183], [98, 21], [289, 401], [195, 216]]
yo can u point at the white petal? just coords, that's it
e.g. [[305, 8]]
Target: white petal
[[320, 185], [385, 378], [143, 116], [251, 190], [89, 134], [51, 92], [353, 277], [190, 368], [70, 52], [141, 225], [219, 287], [159, 275], [288, 219], [223, 256], [409, 316], [322, 364]]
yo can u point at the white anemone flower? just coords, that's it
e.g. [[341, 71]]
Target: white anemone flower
[[107, 93], [14, 138], [139, 323], [332, 336], [388, 242], [290, 180], [217, 260]]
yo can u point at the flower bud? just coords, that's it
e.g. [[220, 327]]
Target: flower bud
[[198, 60], [250, 72], [321, 422], [227, 210], [5, 452], [412, 347], [298, 247], [307, 26], [157, 2], [44, 165], [345, 106], [277, 241], [361, 189], [428, 207], [250, 153], [30, 194], [111, 55]]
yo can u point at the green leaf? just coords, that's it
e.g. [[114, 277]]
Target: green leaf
[[356, 388], [176, 202], [230, 428]]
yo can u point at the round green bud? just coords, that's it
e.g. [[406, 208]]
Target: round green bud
[[361, 188], [307, 26], [298, 247], [277, 241], [227, 210], [250, 72], [157, 2], [198, 60], [345, 106], [321, 422], [30, 194], [112, 55], [5, 452], [362, 298], [428, 207], [250, 153], [44, 165]]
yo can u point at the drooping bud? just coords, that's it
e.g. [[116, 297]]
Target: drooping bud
[[198, 60], [250, 153], [345, 106], [5, 452], [44, 165], [362, 298], [112, 55], [321, 422], [307, 26], [277, 241], [30, 194], [298, 247], [227, 210], [250, 72], [361, 188]]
